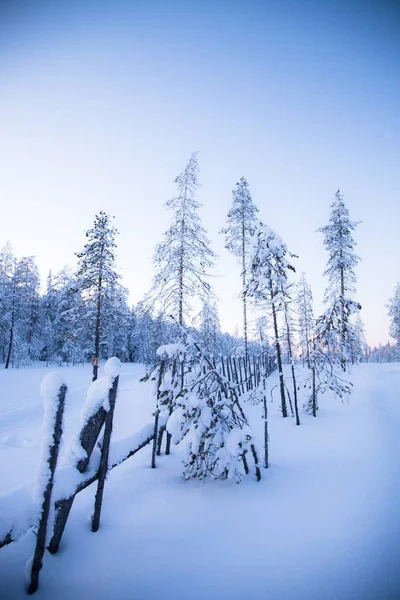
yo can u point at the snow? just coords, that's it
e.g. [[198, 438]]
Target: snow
[[49, 390], [322, 524], [170, 350], [112, 367], [96, 397]]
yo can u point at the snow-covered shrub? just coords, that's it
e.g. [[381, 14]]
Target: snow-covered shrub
[[205, 416]]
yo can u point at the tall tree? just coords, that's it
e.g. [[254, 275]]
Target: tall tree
[[184, 257], [324, 358], [241, 224], [210, 328], [7, 301], [23, 316], [288, 331], [96, 275], [339, 242], [394, 315], [268, 282], [305, 313]]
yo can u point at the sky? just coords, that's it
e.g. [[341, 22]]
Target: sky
[[102, 104]]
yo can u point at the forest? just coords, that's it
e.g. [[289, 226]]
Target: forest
[[84, 313]]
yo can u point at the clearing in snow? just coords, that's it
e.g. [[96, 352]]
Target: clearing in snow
[[322, 524]]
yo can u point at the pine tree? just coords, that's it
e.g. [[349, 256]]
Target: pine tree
[[325, 361], [268, 282], [394, 315], [242, 221], [7, 267], [97, 277], [184, 257], [339, 242], [210, 328], [356, 341], [23, 344], [288, 331], [305, 317]]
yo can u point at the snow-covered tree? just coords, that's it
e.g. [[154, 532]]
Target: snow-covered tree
[[184, 257], [210, 329], [267, 283], [7, 301], [339, 242], [241, 224], [97, 278], [23, 313], [305, 317], [384, 354], [394, 315], [287, 336], [356, 341], [325, 361], [204, 414]]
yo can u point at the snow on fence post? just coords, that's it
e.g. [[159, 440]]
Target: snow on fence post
[[53, 390], [104, 454], [87, 438]]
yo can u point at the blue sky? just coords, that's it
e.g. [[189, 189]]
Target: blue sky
[[102, 103]]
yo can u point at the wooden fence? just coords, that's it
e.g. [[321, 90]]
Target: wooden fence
[[243, 374]]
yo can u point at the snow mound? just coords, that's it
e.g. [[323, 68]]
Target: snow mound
[[112, 367]]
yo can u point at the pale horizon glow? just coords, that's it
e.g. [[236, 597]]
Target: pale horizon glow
[[103, 103]]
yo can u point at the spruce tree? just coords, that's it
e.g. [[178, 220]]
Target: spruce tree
[[268, 284], [305, 313], [339, 242], [241, 224], [210, 329], [7, 268], [184, 257], [97, 276], [394, 315], [23, 313]]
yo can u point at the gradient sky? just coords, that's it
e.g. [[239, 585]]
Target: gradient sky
[[102, 103]]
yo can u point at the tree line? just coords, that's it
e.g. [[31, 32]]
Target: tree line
[[86, 314]]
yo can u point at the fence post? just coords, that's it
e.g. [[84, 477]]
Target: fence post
[[88, 437], [104, 454], [156, 416], [52, 462]]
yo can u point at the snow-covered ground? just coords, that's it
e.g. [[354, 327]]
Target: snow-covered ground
[[323, 523]]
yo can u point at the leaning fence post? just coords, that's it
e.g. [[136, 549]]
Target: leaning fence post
[[53, 414], [87, 438], [104, 454]]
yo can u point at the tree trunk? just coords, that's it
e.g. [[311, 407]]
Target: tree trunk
[[278, 354], [10, 343], [244, 291], [97, 333], [289, 343]]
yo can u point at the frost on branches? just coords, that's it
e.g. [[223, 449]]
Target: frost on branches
[[268, 283], [204, 415], [325, 359], [184, 257], [339, 242], [241, 224]]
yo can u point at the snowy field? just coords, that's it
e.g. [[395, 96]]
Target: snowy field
[[323, 523]]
